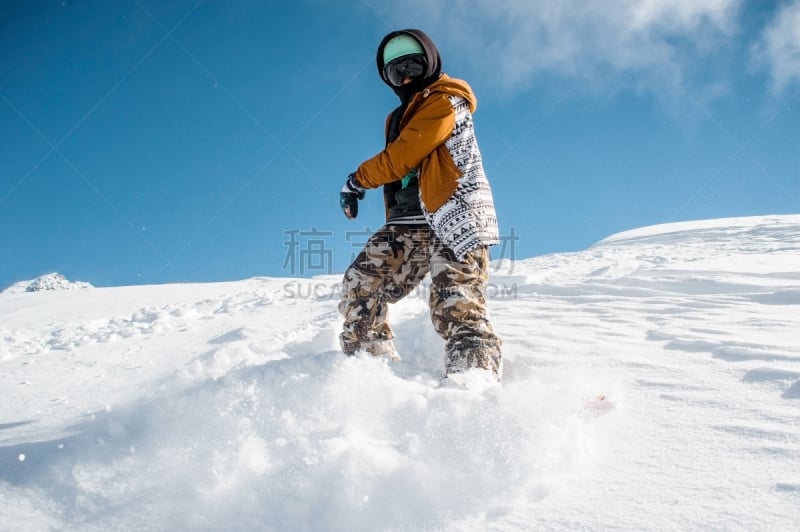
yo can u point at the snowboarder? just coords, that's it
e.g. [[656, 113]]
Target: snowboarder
[[440, 216]]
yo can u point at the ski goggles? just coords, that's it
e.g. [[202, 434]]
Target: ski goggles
[[407, 66]]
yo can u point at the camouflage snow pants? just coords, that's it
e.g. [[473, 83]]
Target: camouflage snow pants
[[392, 264]]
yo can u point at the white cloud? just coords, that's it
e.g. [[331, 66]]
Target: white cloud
[[778, 50], [650, 44]]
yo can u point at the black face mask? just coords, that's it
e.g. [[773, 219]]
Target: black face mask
[[405, 92]]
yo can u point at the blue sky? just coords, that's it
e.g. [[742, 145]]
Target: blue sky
[[151, 142]]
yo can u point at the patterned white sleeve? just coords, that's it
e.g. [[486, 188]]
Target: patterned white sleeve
[[468, 219]]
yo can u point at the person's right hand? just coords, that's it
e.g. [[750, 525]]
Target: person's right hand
[[349, 196]]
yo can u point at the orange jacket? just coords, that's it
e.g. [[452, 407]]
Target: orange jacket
[[426, 124]]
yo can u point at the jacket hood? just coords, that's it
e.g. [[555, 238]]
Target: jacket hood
[[431, 74]]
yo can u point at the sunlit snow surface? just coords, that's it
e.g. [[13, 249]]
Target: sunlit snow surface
[[228, 406]]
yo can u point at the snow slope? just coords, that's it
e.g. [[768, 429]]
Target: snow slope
[[227, 406]]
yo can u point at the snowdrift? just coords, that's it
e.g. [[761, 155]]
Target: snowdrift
[[228, 406]]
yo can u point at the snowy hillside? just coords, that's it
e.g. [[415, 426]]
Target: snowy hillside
[[227, 406]]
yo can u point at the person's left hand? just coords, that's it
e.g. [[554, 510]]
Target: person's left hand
[[349, 196]]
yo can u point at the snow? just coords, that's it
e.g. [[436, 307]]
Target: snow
[[227, 406], [51, 281]]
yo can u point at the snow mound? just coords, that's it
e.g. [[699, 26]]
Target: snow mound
[[54, 281], [715, 230]]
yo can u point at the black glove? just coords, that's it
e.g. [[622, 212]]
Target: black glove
[[349, 196]]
